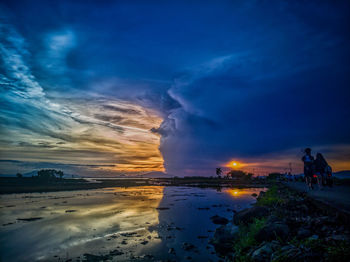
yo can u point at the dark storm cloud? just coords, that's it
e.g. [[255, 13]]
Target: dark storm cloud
[[284, 87]]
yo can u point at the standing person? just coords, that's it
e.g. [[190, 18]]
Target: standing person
[[320, 168], [290, 177], [308, 160]]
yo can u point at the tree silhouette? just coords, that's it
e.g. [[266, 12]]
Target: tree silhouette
[[60, 174], [239, 175], [218, 172], [49, 174]]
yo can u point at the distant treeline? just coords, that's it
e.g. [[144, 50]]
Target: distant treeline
[[235, 175], [46, 174]]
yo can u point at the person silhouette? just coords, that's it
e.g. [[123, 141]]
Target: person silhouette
[[308, 160], [320, 168]]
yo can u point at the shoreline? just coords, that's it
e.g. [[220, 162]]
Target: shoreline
[[284, 225], [9, 185]]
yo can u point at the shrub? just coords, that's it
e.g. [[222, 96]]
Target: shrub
[[246, 239]]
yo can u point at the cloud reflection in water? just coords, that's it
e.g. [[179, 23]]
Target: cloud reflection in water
[[93, 223]]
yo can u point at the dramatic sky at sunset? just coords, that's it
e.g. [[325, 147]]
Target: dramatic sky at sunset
[[113, 87]]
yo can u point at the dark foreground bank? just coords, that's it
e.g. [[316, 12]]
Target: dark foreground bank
[[285, 225], [30, 185]]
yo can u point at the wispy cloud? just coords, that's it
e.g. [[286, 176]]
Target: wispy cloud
[[37, 125]]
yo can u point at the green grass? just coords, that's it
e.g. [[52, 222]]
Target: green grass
[[246, 235], [246, 239], [270, 198]]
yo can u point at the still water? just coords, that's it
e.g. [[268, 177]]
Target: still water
[[117, 224]]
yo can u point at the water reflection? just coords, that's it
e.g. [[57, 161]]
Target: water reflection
[[76, 222], [133, 222]]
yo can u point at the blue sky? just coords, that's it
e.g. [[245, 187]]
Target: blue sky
[[108, 87]]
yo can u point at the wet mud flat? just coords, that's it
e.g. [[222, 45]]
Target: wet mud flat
[[144, 223]]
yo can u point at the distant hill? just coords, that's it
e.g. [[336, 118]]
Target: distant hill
[[156, 174], [29, 174]]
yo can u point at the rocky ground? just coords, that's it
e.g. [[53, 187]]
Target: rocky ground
[[284, 226]]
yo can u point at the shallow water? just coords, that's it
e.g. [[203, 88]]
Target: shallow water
[[137, 223]]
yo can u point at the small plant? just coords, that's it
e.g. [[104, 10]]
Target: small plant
[[270, 198], [246, 239]]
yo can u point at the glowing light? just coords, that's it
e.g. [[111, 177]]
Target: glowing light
[[235, 164], [235, 192]]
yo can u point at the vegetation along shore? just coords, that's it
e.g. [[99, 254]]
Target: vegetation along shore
[[284, 225], [50, 180]]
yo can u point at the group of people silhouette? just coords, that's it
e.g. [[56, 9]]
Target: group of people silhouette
[[316, 169]]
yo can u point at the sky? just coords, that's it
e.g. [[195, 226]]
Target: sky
[[105, 88]]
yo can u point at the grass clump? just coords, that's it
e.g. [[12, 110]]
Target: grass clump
[[270, 198], [246, 239]]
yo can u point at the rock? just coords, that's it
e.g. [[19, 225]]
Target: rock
[[145, 242], [304, 208], [286, 253], [147, 257], [218, 220], [313, 237], [263, 253], [339, 238], [128, 234], [261, 194], [303, 233], [7, 224], [116, 253], [171, 251], [273, 219], [292, 253], [29, 219], [247, 216], [187, 246], [71, 211], [272, 231], [254, 195], [224, 238], [324, 228]]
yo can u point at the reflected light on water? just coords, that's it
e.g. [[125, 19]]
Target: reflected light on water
[[244, 193], [119, 220], [80, 221]]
